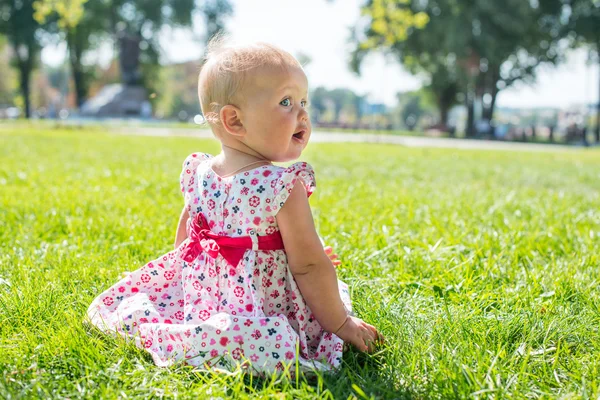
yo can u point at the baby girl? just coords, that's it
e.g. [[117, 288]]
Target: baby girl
[[249, 283]]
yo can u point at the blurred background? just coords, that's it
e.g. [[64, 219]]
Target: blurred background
[[526, 70]]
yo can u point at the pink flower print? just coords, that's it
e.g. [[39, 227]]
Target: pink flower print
[[153, 298], [270, 230], [179, 315], [263, 322], [203, 315], [289, 355], [225, 213], [223, 341], [244, 191], [237, 353], [148, 343], [278, 337], [266, 173], [257, 220], [238, 291], [108, 301], [214, 353], [254, 182], [271, 219], [211, 204], [169, 275], [256, 334], [254, 358], [143, 320], [248, 322], [197, 285], [254, 201], [275, 294], [121, 289], [134, 290], [213, 186], [238, 339], [266, 282], [155, 320], [231, 272], [170, 347], [145, 278]]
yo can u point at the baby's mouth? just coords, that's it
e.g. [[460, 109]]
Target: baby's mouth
[[300, 135]]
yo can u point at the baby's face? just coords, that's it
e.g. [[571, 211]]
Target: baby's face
[[274, 113]]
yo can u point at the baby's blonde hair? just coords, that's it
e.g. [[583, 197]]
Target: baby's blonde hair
[[227, 66]]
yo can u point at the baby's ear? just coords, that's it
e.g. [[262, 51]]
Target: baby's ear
[[231, 119]]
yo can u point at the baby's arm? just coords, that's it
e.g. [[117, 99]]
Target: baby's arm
[[315, 274], [181, 234]]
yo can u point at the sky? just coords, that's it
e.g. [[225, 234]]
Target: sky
[[320, 29]]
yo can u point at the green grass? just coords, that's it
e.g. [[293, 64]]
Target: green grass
[[480, 267]]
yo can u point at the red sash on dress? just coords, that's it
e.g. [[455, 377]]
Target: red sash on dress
[[202, 239]]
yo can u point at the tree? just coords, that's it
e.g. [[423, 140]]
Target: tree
[[584, 27], [79, 21], [412, 106], [318, 102], [476, 47], [8, 83], [340, 98], [23, 32]]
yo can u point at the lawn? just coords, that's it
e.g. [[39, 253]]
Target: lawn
[[480, 267]]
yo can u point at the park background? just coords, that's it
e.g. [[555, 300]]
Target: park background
[[464, 68], [479, 265]]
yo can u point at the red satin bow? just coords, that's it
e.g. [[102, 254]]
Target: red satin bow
[[201, 238]]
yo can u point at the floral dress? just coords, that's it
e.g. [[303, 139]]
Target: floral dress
[[210, 313]]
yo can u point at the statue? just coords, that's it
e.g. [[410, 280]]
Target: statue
[[129, 58]]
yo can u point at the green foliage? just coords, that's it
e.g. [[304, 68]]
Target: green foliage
[[338, 99], [413, 106], [480, 267], [70, 12], [584, 21], [485, 43]]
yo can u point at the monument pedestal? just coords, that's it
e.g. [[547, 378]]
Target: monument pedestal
[[118, 101]]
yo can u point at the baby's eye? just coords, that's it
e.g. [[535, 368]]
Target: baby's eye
[[285, 102]]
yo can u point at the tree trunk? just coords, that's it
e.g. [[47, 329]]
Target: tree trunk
[[470, 131], [25, 66], [25, 75], [444, 109], [597, 131], [488, 112], [79, 78]]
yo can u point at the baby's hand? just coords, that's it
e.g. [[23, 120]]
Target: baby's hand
[[362, 335], [333, 257]]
